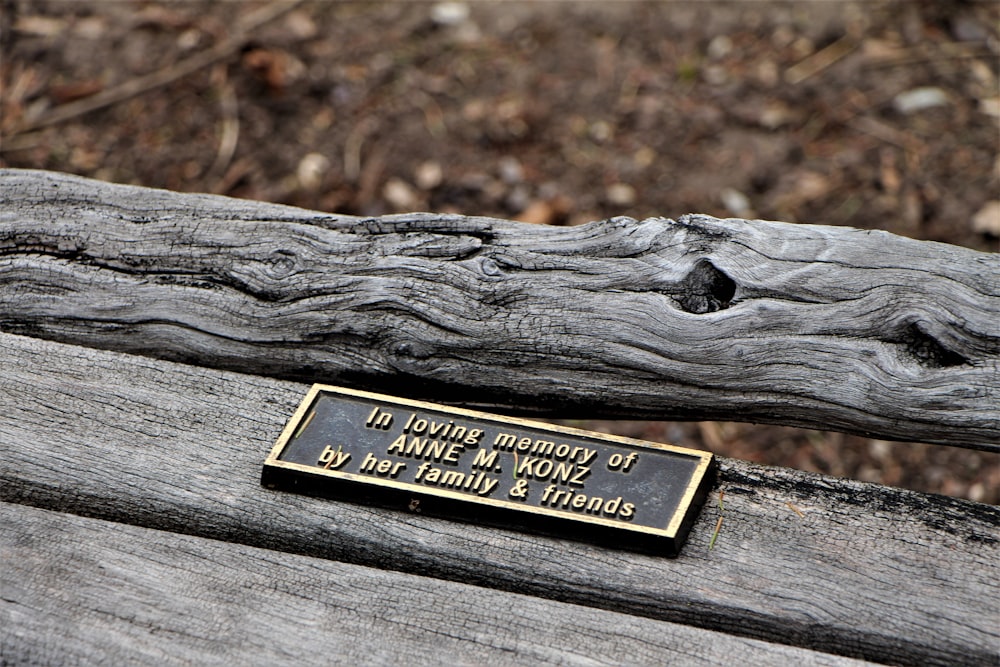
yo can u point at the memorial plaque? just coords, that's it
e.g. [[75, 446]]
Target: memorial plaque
[[470, 465]]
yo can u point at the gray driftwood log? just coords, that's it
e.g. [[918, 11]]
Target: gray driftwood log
[[808, 561], [695, 318]]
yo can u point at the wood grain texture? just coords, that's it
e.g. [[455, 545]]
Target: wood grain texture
[[832, 328], [865, 571], [85, 591]]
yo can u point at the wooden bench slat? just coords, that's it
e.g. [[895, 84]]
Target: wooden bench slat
[[866, 571], [824, 327], [89, 591]]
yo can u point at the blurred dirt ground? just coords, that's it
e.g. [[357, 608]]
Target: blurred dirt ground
[[871, 114]]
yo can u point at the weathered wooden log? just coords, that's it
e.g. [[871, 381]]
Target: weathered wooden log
[[832, 565], [84, 591], [824, 327]]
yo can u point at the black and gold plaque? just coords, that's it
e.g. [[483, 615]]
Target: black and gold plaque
[[450, 462]]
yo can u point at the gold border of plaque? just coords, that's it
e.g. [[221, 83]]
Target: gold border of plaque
[[663, 538]]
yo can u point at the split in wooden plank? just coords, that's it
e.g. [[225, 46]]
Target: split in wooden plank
[[90, 591], [695, 318], [867, 572]]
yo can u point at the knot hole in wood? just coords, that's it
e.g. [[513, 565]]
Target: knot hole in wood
[[706, 289], [927, 350]]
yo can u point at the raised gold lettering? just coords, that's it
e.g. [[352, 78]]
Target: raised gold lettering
[[442, 430], [476, 482], [452, 478], [544, 470], [427, 449], [331, 458], [372, 465], [379, 419], [504, 442], [622, 463], [398, 446], [451, 455], [438, 429], [486, 460], [409, 422], [581, 473], [368, 463], [546, 449]]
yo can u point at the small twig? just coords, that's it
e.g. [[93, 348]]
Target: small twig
[[882, 132], [230, 133], [238, 170], [795, 509], [305, 424], [715, 535], [164, 76], [352, 148], [336, 455], [371, 173], [21, 142], [819, 61], [923, 54], [711, 435], [718, 524]]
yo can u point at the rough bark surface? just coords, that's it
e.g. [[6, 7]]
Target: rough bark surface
[[831, 565], [85, 591], [833, 328]]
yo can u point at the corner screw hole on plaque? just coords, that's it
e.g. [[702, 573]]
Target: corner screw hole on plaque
[[361, 447]]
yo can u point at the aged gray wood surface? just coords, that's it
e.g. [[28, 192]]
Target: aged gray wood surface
[[697, 318], [866, 571], [86, 591]]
